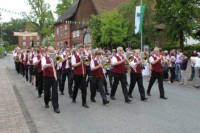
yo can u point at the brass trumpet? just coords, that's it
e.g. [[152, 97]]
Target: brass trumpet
[[85, 59], [105, 62], [58, 59], [16, 58]]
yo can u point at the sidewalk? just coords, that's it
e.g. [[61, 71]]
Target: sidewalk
[[11, 116]]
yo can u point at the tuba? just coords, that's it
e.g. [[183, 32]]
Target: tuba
[[85, 59]]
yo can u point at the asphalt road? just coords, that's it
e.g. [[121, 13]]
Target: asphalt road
[[179, 114]]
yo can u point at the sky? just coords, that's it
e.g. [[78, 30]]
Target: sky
[[20, 6]]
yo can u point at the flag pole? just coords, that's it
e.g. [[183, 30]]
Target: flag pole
[[141, 27]]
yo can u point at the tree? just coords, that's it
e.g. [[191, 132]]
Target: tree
[[63, 6], [48, 41], [127, 10], [14, 25], [40, 18], [179, 16]]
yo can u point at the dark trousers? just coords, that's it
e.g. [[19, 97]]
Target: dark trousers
[[172, 72], [31, 73], [80, 82], [98, 83], [67, 73], [109, 75], [122, 78], [59, 77], [154, 76], [137, 77], [40, 83], [105, 84], [36, 77], [88, 73], [48, 84], [17, 67], [26, 72], [192, 73], [22, 69]]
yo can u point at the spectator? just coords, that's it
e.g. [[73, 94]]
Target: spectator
[[172, 66], [193, 55], [177, 66], [183, 67], [196, 62]]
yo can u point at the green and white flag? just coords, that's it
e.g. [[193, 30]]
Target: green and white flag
[[139, 16]]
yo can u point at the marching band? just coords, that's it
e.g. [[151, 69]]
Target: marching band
[[85, 67]]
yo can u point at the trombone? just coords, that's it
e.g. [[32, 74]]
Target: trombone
[[129, 56], [105, 62], [85, 59]]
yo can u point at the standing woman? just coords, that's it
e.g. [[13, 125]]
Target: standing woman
[[193, 55], [196, 62], [172, 66], [183, 67]]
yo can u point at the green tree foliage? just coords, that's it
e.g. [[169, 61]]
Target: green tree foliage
[[63, 6], [40, 18], [127, 10], [179, 16], [109, 30], [14, 25], [48, 40]]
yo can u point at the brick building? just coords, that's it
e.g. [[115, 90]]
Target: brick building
[[25, 39], [76, 33]]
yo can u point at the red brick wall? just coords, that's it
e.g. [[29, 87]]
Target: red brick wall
[[62, 38], [27, 41]]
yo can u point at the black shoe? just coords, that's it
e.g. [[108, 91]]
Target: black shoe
[[130, 96], [62, 93], [107, 93], [50, 99], [127, 100], [148, 94], [56, 110], [85, 105], [106, 102], [46, 106], [74, 101], [93, 100], [144, 99], [112, 97], [163, 97], [39, 96]]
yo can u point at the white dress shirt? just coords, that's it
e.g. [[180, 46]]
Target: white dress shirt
[[67, 62], [114, 59], [197, 62]]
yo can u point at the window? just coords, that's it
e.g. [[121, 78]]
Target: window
[[24, 38], [61, 44], [30, 43], [65, 29], [24, 44], [76, 45], [38, 37], [31, 38], [60, 31], [76, 33], [57, 31], [87, 39]]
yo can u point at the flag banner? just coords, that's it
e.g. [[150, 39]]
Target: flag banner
[[139, 17]]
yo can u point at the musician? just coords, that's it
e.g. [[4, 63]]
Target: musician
[[22, 58], [50, 80], [98, 78], [31, 72], [79, 75], [87, 52], [109, 69], [136, 75], [26, 63], [66, 71], [119, 73], [104, 71], [156, 63], [16, 53], [39, 70]]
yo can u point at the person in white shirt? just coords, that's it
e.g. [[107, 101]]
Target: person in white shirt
[[196, 62]]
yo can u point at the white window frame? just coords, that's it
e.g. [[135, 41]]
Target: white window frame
[[24, 37], [24, 44], [57, 31], [61, 30], [66, 28]]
